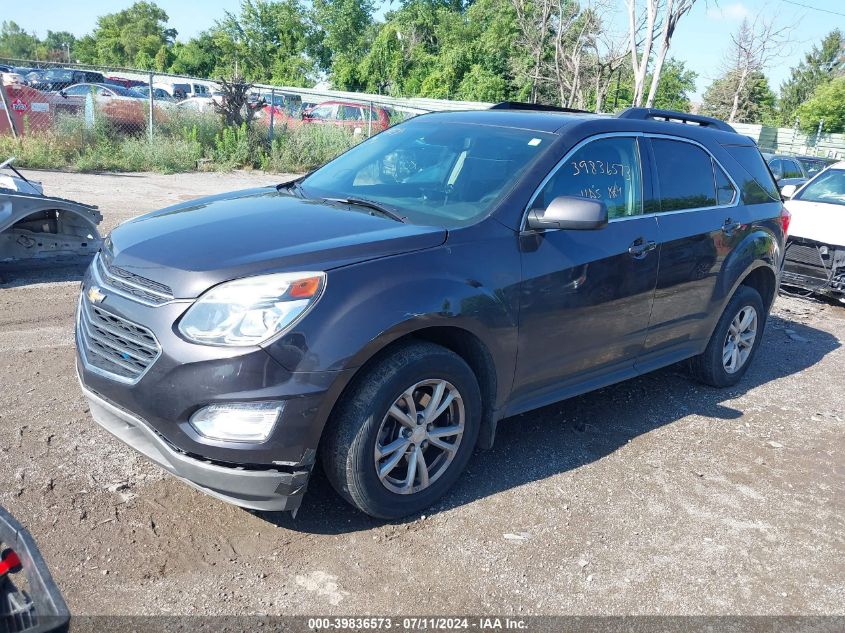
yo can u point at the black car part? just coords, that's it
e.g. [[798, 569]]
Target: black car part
[[30, 602]]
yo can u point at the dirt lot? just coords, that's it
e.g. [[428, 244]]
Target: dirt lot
[[654, 496]]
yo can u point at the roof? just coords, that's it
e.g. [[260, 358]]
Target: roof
[[541, 121], [632, 120]]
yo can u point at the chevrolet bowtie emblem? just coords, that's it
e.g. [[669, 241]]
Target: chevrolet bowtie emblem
[[94, 295]]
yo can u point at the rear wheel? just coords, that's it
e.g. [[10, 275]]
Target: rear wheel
[[734, 341], [404, 431]]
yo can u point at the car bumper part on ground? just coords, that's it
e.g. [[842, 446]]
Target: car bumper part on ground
[[259, 489]]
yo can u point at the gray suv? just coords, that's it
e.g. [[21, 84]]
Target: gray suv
[[380, 315]]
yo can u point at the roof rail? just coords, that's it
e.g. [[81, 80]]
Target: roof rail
[[644, 114], [541, 107]]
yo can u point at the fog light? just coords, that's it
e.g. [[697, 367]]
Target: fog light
[[237, 421]]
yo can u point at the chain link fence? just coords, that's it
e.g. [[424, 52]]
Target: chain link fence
[[90, 118]]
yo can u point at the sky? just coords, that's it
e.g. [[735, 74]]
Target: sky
[[701, 39]]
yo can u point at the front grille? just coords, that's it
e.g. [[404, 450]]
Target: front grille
[[113, 345], [804, 254], [143, 289]]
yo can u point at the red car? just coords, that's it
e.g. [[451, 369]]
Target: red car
[[348, 114]]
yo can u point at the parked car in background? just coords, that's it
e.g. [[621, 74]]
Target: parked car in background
[[124, 107], [126, 83], [787, 170], [382, 313], [12, 79], [55, 79], [354, 116], [815, 251], [159, 94], [814, 164], [199, 104]]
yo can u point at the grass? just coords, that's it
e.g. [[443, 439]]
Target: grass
[[182, 141]]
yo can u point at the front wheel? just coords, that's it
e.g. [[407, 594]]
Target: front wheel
[[404, 431], [734, 341]]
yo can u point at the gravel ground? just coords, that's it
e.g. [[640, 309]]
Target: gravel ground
[[655, 496]]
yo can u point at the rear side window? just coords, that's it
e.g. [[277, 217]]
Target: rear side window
[[607, 169], [684, 175], [791, 169], [755, 180]]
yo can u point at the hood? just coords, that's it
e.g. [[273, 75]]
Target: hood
[[817, 221], [197, 244]]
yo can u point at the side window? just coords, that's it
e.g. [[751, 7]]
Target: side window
[[684, 175], [79, 90], [725, 192], [791, 169], [757, 186], [349, 113], [607, 169], [322, 112], [777, 168]]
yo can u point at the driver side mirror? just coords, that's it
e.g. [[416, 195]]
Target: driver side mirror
[[570, 213], [787, 191]]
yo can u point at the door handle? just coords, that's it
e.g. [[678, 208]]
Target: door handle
[[730, 226], [641, 247]]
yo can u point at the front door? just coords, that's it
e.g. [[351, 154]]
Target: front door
[[587, 294]]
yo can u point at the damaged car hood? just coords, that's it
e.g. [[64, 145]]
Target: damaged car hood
[[195, 245], [817, 221]]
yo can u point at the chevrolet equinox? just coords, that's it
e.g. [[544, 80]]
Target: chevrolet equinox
[[382, 313]]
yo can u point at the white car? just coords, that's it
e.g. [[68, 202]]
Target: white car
[[815, 250]]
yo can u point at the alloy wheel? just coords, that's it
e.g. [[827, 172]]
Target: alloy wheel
[[740, 339], [419, 436]]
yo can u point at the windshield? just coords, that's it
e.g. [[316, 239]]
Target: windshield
[[58, 75], [827, 187], [812, 167], [442, 174]]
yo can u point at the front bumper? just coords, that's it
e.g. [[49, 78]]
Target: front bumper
[[259, 489], [814, 266]]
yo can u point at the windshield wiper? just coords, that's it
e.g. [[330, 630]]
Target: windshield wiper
[[375, 206], [293, 186]]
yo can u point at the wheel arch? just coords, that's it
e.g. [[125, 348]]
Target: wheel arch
[[462, 342]]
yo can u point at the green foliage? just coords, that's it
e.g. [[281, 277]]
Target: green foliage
[[301, 149], [756, 101], [133, 36], [675, 85], [828, 104], [820, 65], [267, 39], [15, 42]]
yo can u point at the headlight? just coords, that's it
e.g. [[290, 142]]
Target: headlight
[[251, 310]]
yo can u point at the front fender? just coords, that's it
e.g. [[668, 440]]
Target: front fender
[[471, 285]]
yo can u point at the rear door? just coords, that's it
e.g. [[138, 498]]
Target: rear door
[[586, 295], [700, 223]]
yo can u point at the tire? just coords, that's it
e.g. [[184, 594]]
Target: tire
[[361, 424], [711, 367]]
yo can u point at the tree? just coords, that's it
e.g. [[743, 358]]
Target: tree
[[676, 84], [15, 42], [819, 66], [57, 46], [198, 57], [753, 48], [339, 40], [641, 28], [674, 11], [266, 42], [753, 103], [828, 105], [136, 33]]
